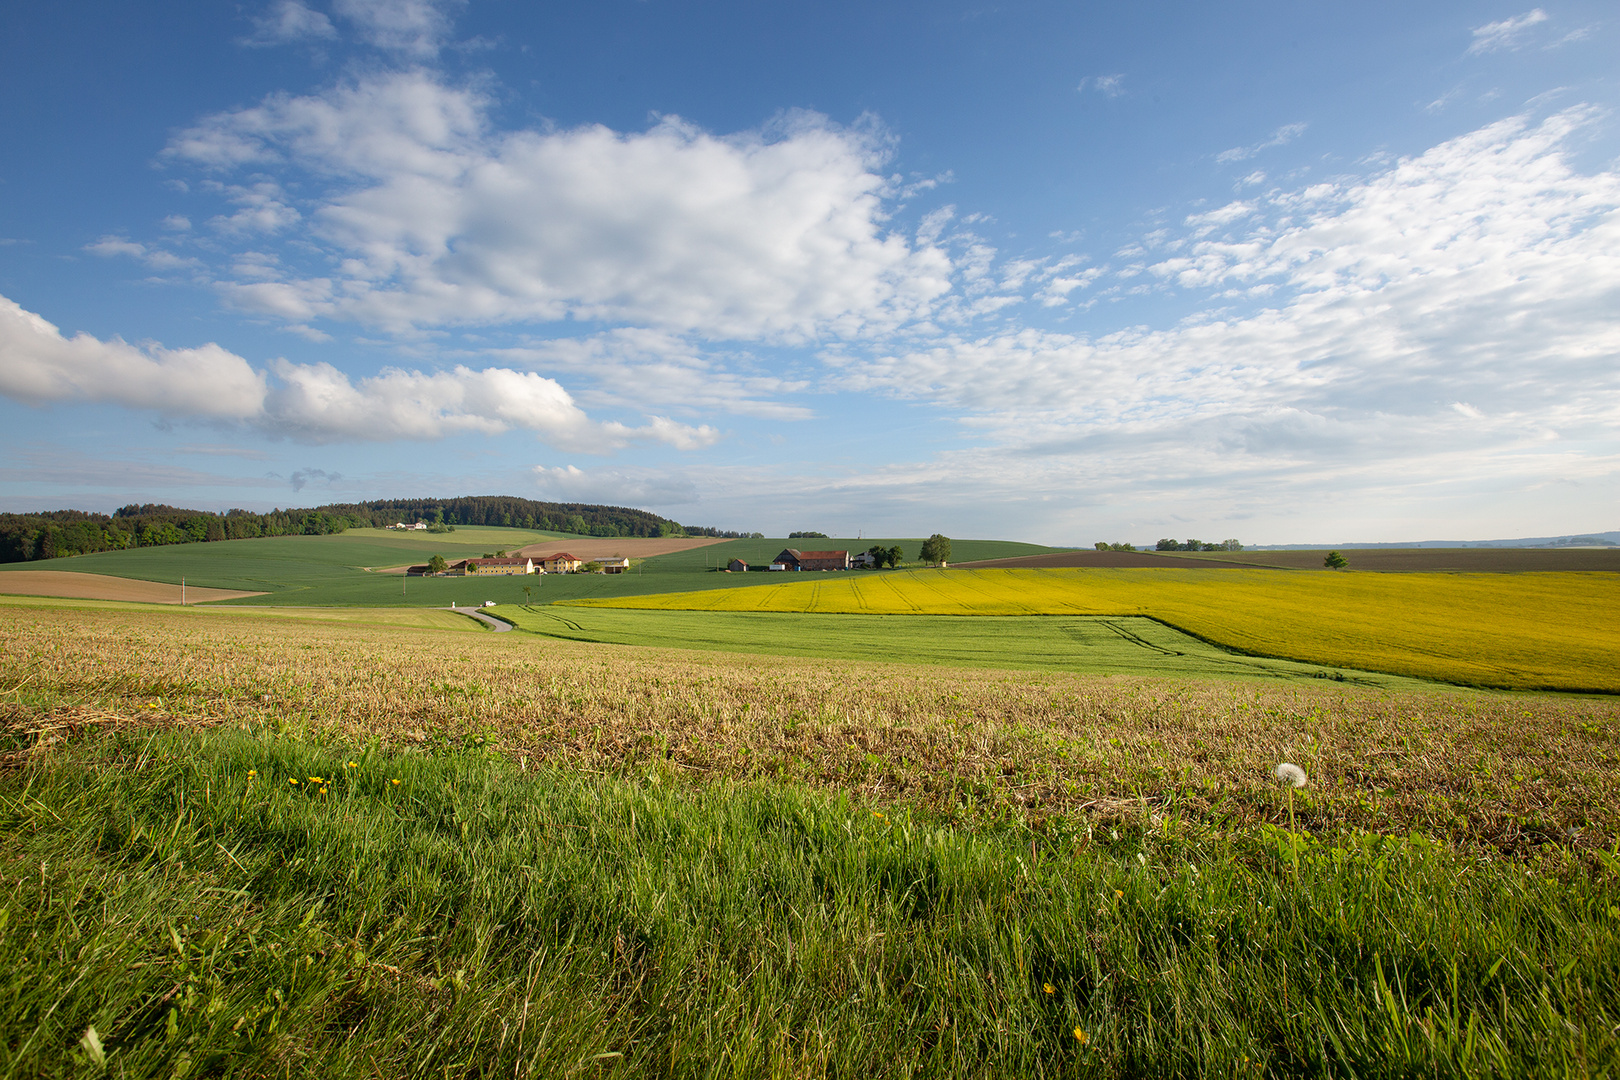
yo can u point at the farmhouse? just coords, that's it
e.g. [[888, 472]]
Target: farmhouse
[[613, 564], [794, 559], [738, 566], [560, 563], [500, 566]]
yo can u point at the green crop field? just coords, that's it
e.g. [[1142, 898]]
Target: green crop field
[[1553, 631], [1126, 645], [333, 570]]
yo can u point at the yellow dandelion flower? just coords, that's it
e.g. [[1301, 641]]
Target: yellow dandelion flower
[[252, 773], [352, 765], [1048, 988], [394, 782], [323, 791], [316, 780], [1119, 894], [1079, 1033], [292, 779]]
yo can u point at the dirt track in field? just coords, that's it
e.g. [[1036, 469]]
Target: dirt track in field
[[1425, 560], [73, 586], [1113, 560]]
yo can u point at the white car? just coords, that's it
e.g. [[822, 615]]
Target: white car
[[489, 603]]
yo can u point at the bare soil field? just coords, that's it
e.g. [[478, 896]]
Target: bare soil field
[[1113, 560], [598, 547], [101, 587], [1413, 560]]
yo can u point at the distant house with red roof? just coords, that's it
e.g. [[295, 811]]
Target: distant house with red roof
[[794, 559], [561, 563]]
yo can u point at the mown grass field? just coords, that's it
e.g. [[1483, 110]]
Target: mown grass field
[[1530, 631], [1124, 645], [599, 860]]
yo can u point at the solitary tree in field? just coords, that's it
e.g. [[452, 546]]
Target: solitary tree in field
[[437, 565], [936, 549], [528, 595], [1335, 561], [896, 556]]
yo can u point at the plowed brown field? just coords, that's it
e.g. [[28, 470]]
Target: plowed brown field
[[631, 547], [101, 587], [1420, 560], [1115, 560]]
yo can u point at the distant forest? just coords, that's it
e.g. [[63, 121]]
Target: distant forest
[[26, 537]]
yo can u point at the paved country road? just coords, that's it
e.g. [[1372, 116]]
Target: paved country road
[[494, 623]]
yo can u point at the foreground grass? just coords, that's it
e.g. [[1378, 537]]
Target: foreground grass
[[233, 903], [1552, 631]]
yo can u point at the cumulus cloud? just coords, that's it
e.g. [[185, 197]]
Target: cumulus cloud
[[1506, 34], [431, 217], [311, 402], [1458, 312], [1281, 137]]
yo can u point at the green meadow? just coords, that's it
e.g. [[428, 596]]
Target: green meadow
[[338, 570], [1126, 645], [242, 904]]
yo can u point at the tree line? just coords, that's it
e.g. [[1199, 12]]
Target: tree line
[[51, 534]]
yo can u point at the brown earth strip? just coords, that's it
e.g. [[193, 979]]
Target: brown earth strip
[[598, 547], [631, 547], [1423, 560], [101, 587], [1067, 560]]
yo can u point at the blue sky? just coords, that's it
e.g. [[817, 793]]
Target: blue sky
[[1057, 272]]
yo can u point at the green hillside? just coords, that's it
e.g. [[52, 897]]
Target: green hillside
[[333, 570]]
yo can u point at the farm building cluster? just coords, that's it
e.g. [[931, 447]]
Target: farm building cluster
[[794, 559], [491, 566]]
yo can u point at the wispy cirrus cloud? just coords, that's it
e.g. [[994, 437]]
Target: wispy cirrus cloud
[[1505, 34], [1483, 271], [1281, 137], [1110, 86]]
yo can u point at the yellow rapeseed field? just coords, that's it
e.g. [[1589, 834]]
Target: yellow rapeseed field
[[1556, 631]]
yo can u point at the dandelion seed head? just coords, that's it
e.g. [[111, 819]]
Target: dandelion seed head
[[1289, 775]]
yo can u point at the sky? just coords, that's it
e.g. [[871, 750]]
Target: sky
[[1057, 272]]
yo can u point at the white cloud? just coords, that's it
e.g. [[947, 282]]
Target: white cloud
[[1506, 34], [416, 28], [39, 365], [1281, 137], [1455, 316], [433, 218], [313, 402], [652, 369], [1107, 85], [287, 21]]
